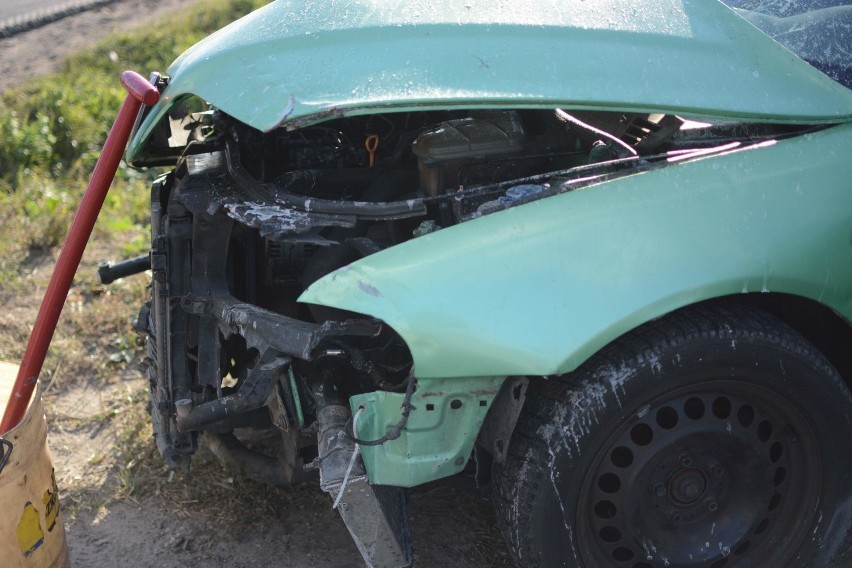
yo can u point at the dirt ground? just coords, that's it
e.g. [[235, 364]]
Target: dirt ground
[[123, 507], [217, 520]]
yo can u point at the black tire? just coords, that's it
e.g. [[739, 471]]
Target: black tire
[[713, 437]]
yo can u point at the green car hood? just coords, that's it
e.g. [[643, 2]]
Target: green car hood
[[296, 62]]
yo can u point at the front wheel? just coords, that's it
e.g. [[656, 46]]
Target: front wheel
[[711, 438]]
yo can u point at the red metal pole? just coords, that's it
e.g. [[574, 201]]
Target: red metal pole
[[140, 92]]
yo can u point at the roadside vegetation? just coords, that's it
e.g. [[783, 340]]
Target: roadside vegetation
[[51, 133], [52, 130]]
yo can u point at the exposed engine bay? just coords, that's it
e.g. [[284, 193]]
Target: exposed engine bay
[[249, 220]]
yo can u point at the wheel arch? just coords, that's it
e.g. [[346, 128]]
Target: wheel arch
[[829, 332], [823, 327]]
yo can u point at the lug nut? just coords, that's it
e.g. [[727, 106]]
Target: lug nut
[[718, 470], [685, 460], [675, 516], [711, 505], [660, 490]]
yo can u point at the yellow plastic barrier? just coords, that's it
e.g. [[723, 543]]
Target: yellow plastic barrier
[[31, 530]]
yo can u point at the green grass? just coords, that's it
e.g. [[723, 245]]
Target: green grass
[[52, 129]]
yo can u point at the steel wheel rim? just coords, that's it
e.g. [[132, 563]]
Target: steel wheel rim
[[706, 475]]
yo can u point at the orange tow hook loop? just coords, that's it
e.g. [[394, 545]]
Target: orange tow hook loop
[[139, 91]]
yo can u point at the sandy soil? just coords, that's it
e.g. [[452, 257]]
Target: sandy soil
[[212, 519]]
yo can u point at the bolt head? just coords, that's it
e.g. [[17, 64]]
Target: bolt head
[[660, 490]]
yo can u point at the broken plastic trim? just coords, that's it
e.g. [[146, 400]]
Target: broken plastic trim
[[286, 335]]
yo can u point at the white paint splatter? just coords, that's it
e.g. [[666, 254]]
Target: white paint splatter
[[256, 214]]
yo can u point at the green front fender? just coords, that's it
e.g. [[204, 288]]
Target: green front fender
[[537, 289]]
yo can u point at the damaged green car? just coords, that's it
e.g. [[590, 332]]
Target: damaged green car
[[597, 254]]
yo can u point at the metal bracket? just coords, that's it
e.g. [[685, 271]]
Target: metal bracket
[[251, 395], [376, 516]]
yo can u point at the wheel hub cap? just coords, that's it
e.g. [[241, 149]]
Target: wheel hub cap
[[704, 477], [687, 486]]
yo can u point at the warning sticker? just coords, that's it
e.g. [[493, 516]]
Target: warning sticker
[[30, 535]]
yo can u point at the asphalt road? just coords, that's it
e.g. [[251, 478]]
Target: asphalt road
[[15, 8], [22, 15]]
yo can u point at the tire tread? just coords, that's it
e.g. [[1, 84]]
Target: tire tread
[[518, 485]]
